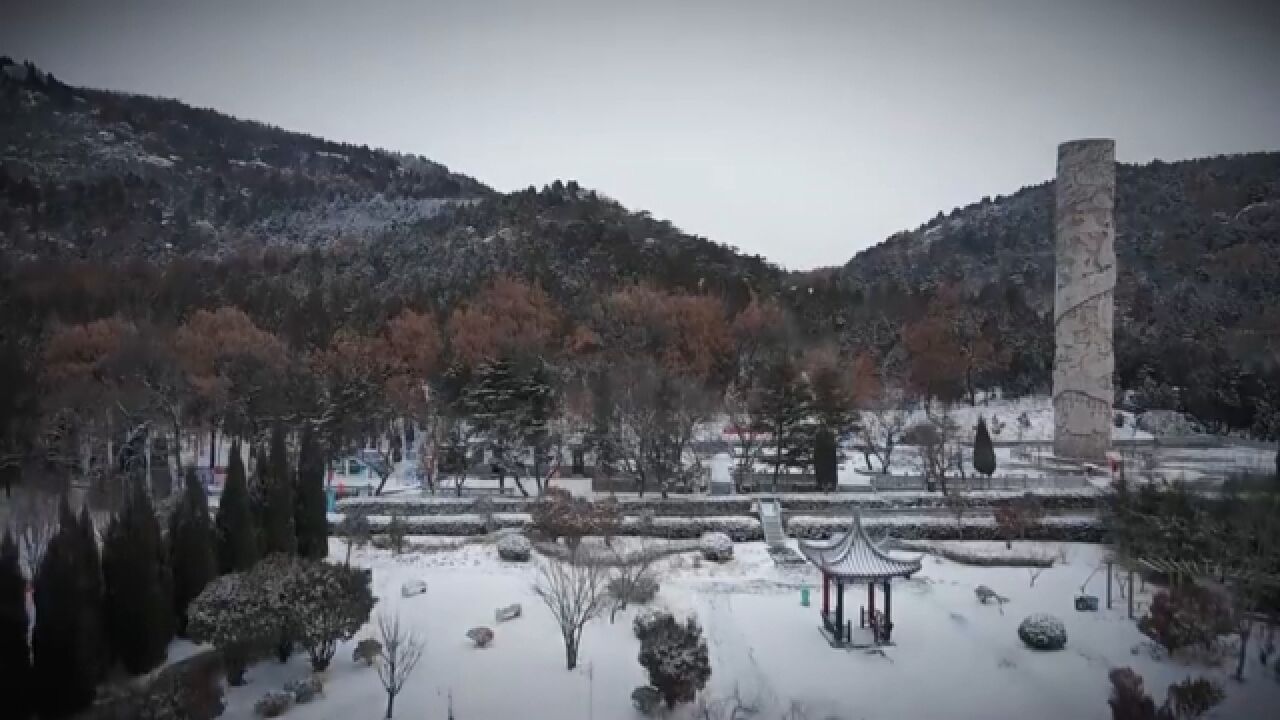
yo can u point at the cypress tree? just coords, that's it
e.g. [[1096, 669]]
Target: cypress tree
[[236, 531], [192, 557], [91, 574], [278, 508], [15, 652], [311, 518], [64, 669], [984, 453], [825, 459], [138, 595]]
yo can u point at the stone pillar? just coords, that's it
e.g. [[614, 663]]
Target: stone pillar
[[1084, 361]]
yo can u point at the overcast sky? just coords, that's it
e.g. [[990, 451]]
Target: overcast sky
[[801, 131]]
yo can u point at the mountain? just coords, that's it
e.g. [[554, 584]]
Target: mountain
[[198, 209]]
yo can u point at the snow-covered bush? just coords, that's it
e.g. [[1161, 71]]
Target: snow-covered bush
[[557, 514], [716, 546], [324, 605], [233, 614], [481, 636], [366, 651], [646, 700], [305, 689], [675, 656], [644, 622], [397, 529], [514, 548], [273, 704], [1043, 632]]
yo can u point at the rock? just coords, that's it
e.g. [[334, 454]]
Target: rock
[[481, 636], [305, 689], [986, 594], [366, 651], [1087, 603], [716, 546], [273, 704], [510, 612], [514, 548], [1043, 632], [411, 588], [646, 699]]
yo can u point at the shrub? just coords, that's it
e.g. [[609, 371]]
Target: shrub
[[1186, 700], [1042, 632], [366, 651], [1185, 616], [514, 548], [639, 590], [1129, 701], [273, 704], [646, 700], [324, 604], [233, 614], [557, 514], [644, 623], [675, 657], [716, 546], [397, 530], [1192, 698], [1016, 517]]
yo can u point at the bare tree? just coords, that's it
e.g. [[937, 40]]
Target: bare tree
[[575, 592], [883, 422], [401, 651], [33, 517], [632, 572]]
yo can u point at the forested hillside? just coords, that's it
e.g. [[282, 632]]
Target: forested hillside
[[177, 259]]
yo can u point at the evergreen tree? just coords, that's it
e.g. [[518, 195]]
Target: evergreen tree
[[278, 506], [311, 519], [91, 574], [15, 653], [236, 529], [139, 600], [825, 459], [984, 453], [64, 670], [782, 409], [192, 549]]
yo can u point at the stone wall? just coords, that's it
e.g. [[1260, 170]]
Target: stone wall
[[1084, 361]]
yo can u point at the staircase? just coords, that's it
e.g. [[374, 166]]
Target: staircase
[[771, 523]]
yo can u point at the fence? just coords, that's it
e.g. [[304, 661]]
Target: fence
[[999, 482]]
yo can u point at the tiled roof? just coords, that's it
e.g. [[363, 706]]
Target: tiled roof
[[852, 556]]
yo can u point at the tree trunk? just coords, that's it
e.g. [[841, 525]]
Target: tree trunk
[[391, 701], [213, 447], [1244, 647], [570, 653]]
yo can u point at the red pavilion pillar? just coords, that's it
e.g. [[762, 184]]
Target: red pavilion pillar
[[826, 595], [888, 612]]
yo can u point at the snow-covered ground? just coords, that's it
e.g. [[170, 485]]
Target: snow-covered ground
[[953, 658]]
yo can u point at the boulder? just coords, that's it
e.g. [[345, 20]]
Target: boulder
[[481, 636], [646, 699], [274, 704], [1043, 632], [514, 548], [411, 588], [510, 612], [366, 651], [305, 689], [986, 594], [716, 546]]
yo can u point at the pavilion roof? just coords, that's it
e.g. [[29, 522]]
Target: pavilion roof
[[853, 556]]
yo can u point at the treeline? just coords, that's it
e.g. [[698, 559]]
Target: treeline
[[114, 598]]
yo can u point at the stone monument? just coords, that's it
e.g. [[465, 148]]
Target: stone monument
[[1083, 359]]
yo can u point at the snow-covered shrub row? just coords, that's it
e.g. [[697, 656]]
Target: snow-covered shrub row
[[1058, 529], [703, 506]]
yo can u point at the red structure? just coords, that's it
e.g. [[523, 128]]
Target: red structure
[[850, 559]]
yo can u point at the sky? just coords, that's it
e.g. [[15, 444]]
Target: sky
[[800, 131]]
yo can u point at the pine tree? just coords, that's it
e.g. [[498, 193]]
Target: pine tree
[[236, 529], [782, 409], [63, 666], [311, 518], [825, 459], [139, 600], [278, 534], [192, 555], [984, 453], [15, 652], [91, 574]]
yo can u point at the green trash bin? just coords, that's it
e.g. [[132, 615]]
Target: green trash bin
[[804, 596]]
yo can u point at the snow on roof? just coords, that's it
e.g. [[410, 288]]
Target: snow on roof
[[852, 556]]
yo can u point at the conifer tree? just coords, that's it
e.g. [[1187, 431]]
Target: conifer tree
[[15, 652], [192, 550], [782, 409], [984, 453], [63, 667], [139, 600], [278, 534], [311, 518], [825, 459], [91, 574], [236, 529]]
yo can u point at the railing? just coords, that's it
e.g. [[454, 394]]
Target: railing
[[999, 482]]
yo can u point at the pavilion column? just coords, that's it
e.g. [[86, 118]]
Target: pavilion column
[[888, 612], [826, 595], [871, 602], [839, 612]]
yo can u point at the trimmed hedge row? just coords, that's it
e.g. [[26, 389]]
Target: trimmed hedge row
[[704, 506], [746, 528]]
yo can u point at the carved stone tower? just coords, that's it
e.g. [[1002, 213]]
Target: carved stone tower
[[1084, 360]]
